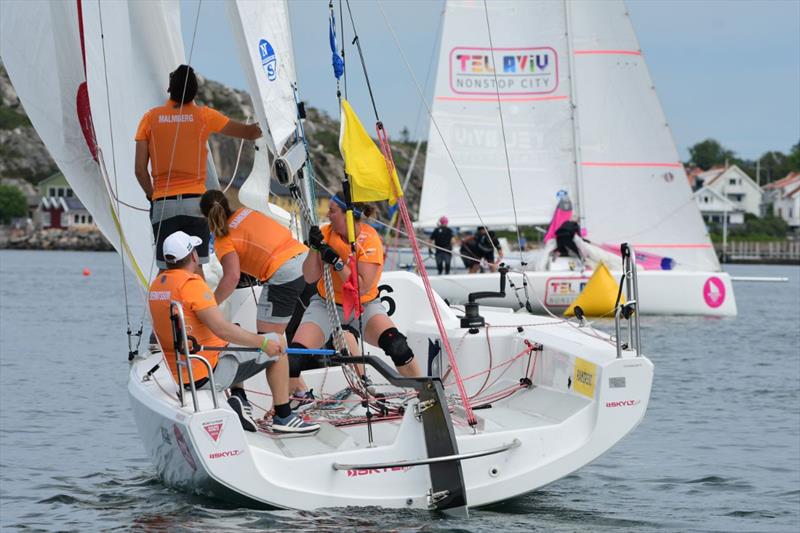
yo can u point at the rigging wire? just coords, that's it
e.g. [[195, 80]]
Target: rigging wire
[[434, 122], [390, 166], [174, 145], [131, 351], [503, 132]]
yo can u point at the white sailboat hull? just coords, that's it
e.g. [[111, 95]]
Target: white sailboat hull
[[557, 427], [667, 292]]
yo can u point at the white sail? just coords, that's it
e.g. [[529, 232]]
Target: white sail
[[130, 49], [47, 35], [634, 188], [614, 153], [530, 58], [264, 39]]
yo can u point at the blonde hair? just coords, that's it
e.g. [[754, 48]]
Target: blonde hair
[[214, 206]]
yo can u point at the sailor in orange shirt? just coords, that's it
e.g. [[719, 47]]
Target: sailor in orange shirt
[[172, 139], [205, 323], [379, 330], [251, 242]]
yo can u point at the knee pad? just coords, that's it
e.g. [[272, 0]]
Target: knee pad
[[394, 344], [298, 363]]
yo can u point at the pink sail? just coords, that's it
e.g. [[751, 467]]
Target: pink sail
[[562, 214]]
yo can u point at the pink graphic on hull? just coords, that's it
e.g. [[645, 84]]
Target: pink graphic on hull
[[714, 292]]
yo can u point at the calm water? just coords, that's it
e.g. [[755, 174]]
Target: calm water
[[719, 449]]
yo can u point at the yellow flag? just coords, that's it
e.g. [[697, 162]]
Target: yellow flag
[[364, 162]]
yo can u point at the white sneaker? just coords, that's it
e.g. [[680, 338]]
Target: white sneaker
[[244, 411]]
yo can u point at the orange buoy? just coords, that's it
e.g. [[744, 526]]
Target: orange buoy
[[87, 272]]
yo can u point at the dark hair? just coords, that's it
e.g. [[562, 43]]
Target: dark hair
[[182, 84], [359, 208], [214, 206], [180, 263]]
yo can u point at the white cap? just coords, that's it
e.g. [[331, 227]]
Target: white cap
[[179, 245]]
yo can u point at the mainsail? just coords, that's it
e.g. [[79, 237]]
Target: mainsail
[[263, 36], [634, 188], [579, 113], [526, 71], [264, 39]]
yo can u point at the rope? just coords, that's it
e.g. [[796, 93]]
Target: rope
[[131, 350], [238, 158], [433, 121], [390, 166]]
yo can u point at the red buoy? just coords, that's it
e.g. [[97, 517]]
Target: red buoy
[[87, 272]]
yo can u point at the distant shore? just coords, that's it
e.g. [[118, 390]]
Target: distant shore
[[84, 239], [91, 239]]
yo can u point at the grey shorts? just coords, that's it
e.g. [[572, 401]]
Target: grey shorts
[[317, 313], [235, 367], [280, 293], [179, 214]]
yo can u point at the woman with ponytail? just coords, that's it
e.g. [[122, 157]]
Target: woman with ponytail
[[251, 242]]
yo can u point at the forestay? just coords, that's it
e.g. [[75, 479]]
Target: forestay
[[530, 59], [634, 188]]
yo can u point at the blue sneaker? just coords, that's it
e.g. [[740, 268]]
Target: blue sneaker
[[305, 401], [292, 424]]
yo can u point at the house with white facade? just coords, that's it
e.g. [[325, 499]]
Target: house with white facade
[[784, 197], [733, 184], [59, 208], [714, 207]]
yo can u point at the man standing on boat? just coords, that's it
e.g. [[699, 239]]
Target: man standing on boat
[[208, 327], [442, 238], [173, 140]]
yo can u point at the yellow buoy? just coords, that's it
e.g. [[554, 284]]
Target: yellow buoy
[[598, 296]]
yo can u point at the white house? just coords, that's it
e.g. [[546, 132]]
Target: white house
[[735, 185], [784, 196], [714, 207]]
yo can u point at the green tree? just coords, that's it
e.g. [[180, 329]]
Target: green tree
[[793, 159], [12, 203], [708, 153]]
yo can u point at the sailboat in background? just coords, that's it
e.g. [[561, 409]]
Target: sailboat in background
[[561, 394], [562, 100]]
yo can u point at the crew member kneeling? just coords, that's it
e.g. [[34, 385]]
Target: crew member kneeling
[[205, 322], [328, 246]]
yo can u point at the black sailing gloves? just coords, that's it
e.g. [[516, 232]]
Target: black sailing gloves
[[326, 253]]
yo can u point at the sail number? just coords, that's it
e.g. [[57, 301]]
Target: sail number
[[391, 307]]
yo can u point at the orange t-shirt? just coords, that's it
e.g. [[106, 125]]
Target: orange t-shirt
[[192, 124], [369, 249], [262, 244], [193, 293]]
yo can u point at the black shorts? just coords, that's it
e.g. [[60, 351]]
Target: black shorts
[[197, 226], [469, 260]]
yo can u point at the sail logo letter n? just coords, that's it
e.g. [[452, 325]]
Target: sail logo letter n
[[268, 59]]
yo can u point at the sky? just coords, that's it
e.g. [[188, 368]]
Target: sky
[[723, 69]]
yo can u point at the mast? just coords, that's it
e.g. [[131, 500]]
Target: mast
[[573, 105]]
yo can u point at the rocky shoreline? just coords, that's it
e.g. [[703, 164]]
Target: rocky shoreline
[[54, 239]]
